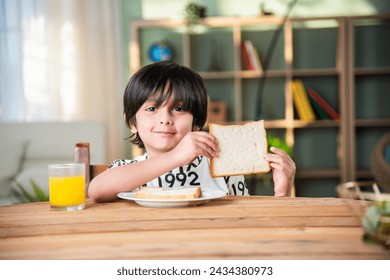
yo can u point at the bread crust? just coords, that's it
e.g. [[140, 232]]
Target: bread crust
[[159, 193], [214, 173]]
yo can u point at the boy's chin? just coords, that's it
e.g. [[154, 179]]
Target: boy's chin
[[159, 149]]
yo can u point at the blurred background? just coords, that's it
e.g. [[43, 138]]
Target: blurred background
[[64, 64]]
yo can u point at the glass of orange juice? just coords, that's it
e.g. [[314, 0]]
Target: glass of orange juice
[[67, 186]]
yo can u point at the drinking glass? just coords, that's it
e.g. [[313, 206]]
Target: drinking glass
[[67, 186]]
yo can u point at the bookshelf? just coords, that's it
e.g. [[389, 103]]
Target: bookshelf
[[318, 55], [369, 81], [319, 51]]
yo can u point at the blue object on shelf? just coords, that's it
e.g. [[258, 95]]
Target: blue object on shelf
[[160, 51], [387, 154]]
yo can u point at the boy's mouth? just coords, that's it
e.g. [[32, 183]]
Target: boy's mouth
[[165, 132]]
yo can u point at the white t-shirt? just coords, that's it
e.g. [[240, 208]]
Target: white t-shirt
[[197, 173]]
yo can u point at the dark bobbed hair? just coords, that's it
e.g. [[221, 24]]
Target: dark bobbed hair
[[163, 80]]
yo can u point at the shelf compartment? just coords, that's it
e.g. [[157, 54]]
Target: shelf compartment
[[316, 148], [206, 50], [307, 42], [149, 36], [318, 173], [369, 36], [366, 141], [261, 40], [272, 100], [327, 87], [323, 187], [372, 97], [222, 92]]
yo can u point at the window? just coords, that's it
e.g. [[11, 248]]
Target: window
[[38, 74], [61, 61]]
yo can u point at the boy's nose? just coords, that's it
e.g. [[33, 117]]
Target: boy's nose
[[166, 117]]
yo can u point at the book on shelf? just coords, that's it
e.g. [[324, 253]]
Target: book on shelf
[[297, 101], [318, 110], [323, 104], [301, 101], [251, 56], [387, 153], [245, 57]]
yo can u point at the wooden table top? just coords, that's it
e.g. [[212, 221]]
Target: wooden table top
[[255, 227]]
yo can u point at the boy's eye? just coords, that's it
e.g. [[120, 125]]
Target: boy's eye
[[151, 109], [178, 109]]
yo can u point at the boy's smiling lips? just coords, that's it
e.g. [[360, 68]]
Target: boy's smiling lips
[[163, 133]]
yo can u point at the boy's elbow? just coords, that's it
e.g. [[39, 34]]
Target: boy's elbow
[[92, 193], [96, 193]]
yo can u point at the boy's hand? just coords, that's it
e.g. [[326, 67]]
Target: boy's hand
[[194, 144], [283, 171]]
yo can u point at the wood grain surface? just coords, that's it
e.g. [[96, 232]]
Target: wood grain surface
[[255, 227]]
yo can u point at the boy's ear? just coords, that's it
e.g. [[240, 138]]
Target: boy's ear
[[196, 128], [133, 128]]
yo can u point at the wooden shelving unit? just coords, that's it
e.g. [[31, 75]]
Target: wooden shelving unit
[[319, 51], [368, 79]]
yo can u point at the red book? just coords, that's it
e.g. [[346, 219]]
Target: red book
[[254, 57], [245, 55], [328, 109]]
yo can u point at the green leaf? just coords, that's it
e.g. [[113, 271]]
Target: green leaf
[[274, 141], [40, 195], [20, 197], [23, 195]]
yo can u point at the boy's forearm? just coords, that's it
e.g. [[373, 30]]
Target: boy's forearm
[[108, 184]]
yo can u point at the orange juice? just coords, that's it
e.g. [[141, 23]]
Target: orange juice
[[67, 191]]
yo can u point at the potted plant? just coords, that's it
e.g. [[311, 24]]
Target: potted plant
[[193, 13], [264, 185]]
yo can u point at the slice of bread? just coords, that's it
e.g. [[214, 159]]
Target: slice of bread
[[160, 193], [241, 149]]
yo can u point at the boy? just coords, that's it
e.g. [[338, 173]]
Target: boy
[[165, 107]]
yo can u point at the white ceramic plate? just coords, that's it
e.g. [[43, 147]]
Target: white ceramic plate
[[163, 203]]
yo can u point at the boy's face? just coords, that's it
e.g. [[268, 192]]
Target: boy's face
[[161, 129]]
